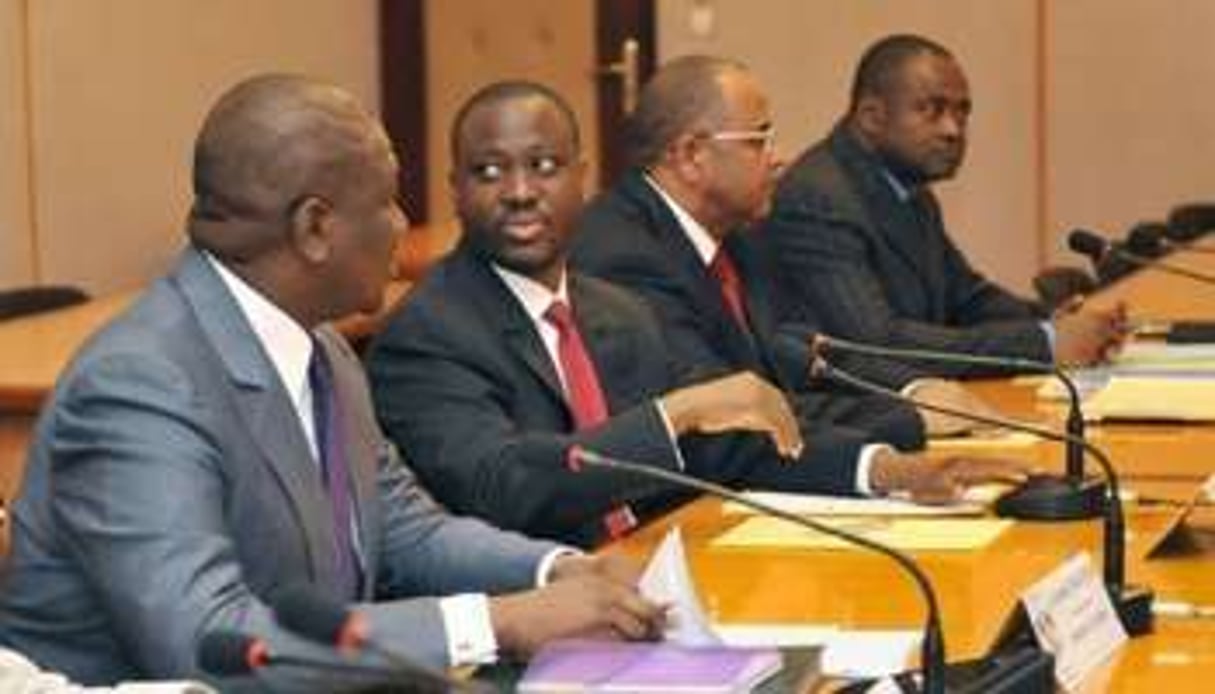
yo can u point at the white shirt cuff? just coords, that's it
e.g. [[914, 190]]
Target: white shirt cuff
[[470, 631], [666, 423], [864, 463], [545, 567]]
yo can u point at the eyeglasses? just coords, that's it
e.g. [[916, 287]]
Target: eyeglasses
[[765, 136]]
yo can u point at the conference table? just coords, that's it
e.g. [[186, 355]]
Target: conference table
[[846, 588], [1163, 464]]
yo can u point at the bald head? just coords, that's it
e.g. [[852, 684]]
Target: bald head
[[267, 144], [685, 93]]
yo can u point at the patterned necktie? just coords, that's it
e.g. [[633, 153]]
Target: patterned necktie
[[584, 395], [723, 269], [335, 472]]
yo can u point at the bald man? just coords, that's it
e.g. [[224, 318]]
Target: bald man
[[216, 442]]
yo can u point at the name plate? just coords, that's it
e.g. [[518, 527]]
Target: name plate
[[1073, 618]]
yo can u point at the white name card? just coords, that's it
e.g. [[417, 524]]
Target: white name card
[[1072, 616]]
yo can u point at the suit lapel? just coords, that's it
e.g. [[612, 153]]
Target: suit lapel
[[894, 219], [703, 289], [499, 308], [262, 402]]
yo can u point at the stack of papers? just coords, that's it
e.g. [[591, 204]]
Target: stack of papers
[[911, 534], [1153, 398]]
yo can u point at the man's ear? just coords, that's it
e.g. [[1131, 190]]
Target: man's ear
[[871, 115], [312, 228], [686, 154]]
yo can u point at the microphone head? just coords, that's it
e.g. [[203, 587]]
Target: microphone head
[[1146, 238], [230, 653], [307, 611], [1087, 243]]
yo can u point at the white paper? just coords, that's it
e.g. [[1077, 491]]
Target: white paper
[[870, 653], [818, 505], [744, 635], [667, 581], [1072, 616]]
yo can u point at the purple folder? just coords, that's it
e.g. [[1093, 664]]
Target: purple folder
[[647, 668]]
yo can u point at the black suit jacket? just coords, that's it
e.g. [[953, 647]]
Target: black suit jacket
[[868, 266], [629, 236], [463, 384]]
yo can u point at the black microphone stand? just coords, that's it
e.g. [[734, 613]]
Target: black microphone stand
[[1043, 497], [932, 652], [1132, 603]]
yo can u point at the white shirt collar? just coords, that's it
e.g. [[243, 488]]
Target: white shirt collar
[[701, 239], [286, 343], [535, 297]]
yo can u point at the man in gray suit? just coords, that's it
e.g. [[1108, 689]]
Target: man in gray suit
[[859, 239], [216, 442]]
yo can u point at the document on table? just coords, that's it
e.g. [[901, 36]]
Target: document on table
[[819, 505], [1153, 398], [947, 534]]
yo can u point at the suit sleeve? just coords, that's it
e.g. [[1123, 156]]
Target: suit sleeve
[[823, 263], [451, 415]]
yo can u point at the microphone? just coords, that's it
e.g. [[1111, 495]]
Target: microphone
[[1001, 668], [1133, 603], [226, 653], [1098, 249], [316, 616], [1071, 497], [1149, 239]]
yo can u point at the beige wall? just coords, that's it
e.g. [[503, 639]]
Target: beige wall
[[471, 43], [1132, 111], [118, 89], [805, 52], [16, 262]]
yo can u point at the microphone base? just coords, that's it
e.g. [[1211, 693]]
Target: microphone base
[[1134, 607], [1022, 670], [1054, 498]]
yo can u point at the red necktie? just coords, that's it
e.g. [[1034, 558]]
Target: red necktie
[[726, 273], [582, 385]]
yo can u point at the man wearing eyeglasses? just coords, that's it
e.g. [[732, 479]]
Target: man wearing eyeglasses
[[672, 230], [859, 238]]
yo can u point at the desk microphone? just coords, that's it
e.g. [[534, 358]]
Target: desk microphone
[[1071, 497], [1098, 249], [1133, 603], [996, 670], [225, 653], [308, 612], [1154, 239]]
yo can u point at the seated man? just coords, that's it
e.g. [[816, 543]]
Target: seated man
[[482, 379], [216, 442], [673, 230], [859, 239]]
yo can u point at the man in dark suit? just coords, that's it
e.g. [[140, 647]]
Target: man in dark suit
[[859, 239], [475, 377], [670, 230], [216, 442]]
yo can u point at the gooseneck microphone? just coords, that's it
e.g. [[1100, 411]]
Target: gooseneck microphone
[[932, 653], [1098, 248], [1071, 497], [316, 616], [1133, 603], [226, 653]]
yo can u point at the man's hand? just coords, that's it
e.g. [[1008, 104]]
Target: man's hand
[[740, 401], [951, 394], [1085, 335], [592, 597], [940, 480]]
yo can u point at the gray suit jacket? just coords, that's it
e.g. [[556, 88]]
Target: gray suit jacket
[[862, 264], [170, 492]]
